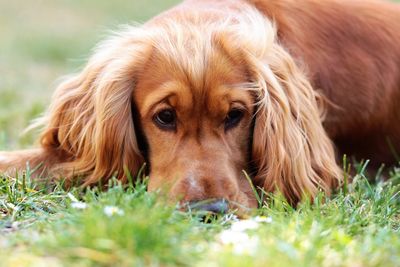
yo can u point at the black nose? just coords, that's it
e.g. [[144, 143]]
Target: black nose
[[219, 206]]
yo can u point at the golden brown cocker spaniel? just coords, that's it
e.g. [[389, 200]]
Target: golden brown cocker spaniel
[[211, 88]]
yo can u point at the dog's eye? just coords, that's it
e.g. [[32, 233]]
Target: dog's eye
[[165, 119], [233, 118]]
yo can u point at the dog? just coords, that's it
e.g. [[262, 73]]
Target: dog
[[211, 91]]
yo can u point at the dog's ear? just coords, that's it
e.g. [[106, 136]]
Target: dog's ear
[[90, 118], [291, 149]]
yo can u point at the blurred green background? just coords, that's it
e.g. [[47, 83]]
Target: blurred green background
[[42, 40]]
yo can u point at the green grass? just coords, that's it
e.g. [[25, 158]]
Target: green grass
[[57, 227], [43, 226]]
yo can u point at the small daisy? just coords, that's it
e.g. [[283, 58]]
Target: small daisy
[[79, 205], [112, 210], [246, 248], [244, 225], [240, 242], [229, 237], [263, 219]]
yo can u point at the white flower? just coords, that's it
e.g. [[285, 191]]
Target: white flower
[[112, 210], [79, 205], [240, 242], [237, 237], [244, 225], [248, 248], [229, 237], [263, 219]]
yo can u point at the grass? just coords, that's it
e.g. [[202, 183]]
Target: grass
[[126, 226]]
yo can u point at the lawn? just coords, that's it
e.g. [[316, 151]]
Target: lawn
[[126, 226]]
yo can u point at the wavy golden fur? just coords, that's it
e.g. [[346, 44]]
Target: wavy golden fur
[[287, 66]]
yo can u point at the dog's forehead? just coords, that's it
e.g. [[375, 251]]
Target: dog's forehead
[[216, 98], [206, 81]]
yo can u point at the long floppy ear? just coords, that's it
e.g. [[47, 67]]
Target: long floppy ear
[[291, 150], [90, 119]]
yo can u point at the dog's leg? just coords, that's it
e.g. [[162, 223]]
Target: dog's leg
[[16, 161]]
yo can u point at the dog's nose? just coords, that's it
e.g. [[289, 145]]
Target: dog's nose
[[219, 206]]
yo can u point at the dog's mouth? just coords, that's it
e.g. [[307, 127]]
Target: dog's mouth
[[207, 210], [210, 209], [215, 206]]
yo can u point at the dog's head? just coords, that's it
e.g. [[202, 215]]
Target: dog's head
[[201, 99]]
